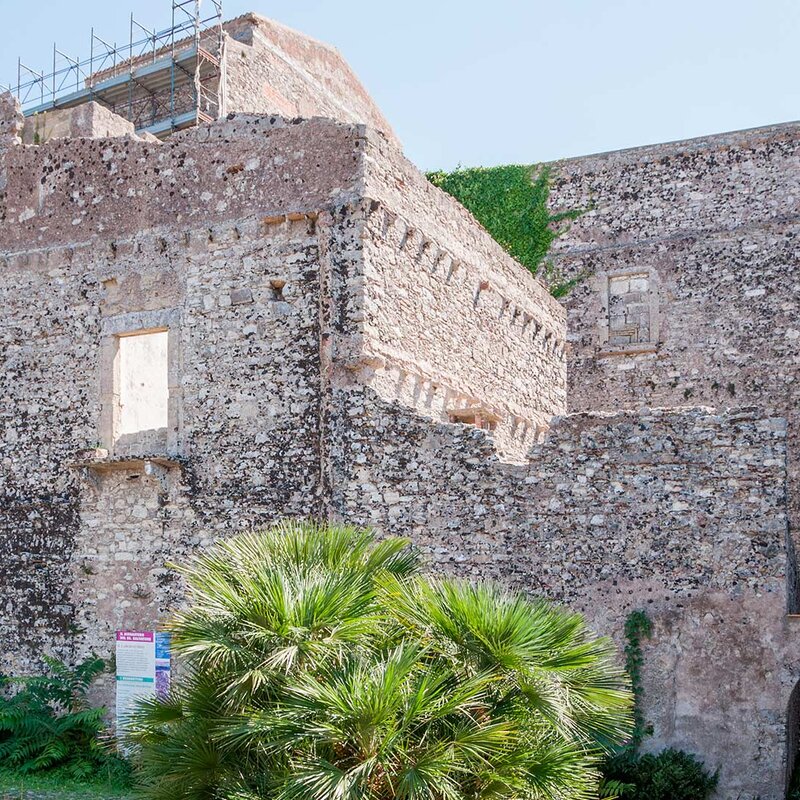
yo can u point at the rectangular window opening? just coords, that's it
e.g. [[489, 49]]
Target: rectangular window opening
[[143, 383], [477, 417]]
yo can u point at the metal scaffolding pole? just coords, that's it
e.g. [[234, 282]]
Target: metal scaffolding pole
[[163, 79]]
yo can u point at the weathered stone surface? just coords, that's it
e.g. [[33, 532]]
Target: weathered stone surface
[[196, 179], [447, 319], [712, 223], [247, 240], [335, 322], [89, 120], [266, 68], [272, 69], [11, 120]]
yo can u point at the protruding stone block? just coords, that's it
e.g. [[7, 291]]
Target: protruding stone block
[[11, 119], [87, 121]]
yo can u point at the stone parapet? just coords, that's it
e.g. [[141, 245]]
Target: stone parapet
[[86, 121]]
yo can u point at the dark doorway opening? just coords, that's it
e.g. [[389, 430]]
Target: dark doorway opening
[[793, 745]]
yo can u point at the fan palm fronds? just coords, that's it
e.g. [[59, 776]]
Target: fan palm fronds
[[320, 665]]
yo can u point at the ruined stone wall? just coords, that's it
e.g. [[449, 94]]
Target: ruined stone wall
[[713, 223], [266, 68], [188, 233], [11, 121], [67, 192], [318, 294], [249, 379], [246, 241], [272, 69], [691, 296], [90, 120], [680, 512], [450, 322]]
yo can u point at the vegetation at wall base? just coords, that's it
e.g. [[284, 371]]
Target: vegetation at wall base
[[55, 785], [320, 664], [511, 203], [638, 626], [47, 726], [668, 775]]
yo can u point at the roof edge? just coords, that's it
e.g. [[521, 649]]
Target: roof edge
[[705, 142]]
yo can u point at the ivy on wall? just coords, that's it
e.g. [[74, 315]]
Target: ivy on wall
[[511, 203], [637, 627], [668, 775]]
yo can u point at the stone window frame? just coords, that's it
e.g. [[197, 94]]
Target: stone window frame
[[602, 281], [113, 328]]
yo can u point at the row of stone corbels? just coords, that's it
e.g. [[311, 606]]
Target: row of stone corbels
[[11, 120], [402, 234]]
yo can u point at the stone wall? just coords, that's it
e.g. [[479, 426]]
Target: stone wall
[[451, 323], [713, 223], [272, 69], [11, 121], [188, 231], [88, 121], [249, 379], [241, 168], [326, 307], [265, 68], [235, 239], [679, 512]]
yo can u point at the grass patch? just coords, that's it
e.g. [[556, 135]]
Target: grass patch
[[56, 786]]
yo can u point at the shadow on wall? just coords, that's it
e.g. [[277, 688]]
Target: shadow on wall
[[793, 745]]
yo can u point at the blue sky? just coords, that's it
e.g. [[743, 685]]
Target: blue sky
[[482, 83]]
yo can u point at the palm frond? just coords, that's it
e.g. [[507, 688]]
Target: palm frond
[[319, 665]]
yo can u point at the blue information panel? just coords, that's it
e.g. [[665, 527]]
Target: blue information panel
[[143, 670]]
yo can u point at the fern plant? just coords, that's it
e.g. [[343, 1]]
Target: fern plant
[[611, 789], [46, 722], [668, 775]]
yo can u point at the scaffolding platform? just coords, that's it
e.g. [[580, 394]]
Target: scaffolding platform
[[165, 81]]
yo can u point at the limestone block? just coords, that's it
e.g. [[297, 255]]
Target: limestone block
[[11, 119], [87, 121]]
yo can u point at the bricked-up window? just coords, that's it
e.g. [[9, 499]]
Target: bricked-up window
[[629, 309], [143, 389]]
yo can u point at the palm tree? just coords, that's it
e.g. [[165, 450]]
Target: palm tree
[[319, 664]]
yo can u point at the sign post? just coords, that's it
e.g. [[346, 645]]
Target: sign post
[[143, 670]]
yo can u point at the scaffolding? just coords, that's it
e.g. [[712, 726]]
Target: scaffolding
[[161, 81]]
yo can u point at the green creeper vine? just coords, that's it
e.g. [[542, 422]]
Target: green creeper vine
[[670, 774], [638, 626], [511, 203]]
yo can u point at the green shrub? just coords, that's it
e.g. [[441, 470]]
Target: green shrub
[[511, 203], [668, 775], [319, 664], [46, 723]]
